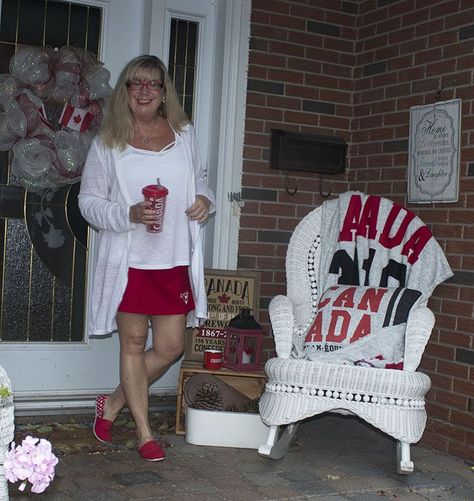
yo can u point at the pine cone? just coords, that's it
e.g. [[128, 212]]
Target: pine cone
[[209, 397]]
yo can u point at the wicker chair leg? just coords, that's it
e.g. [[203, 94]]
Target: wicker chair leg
[[277, 444], [404, 464], [3, 480]]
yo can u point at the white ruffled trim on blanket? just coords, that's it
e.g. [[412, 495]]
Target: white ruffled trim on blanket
[[301, 330]]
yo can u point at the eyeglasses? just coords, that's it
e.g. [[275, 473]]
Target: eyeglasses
[[153, 85]]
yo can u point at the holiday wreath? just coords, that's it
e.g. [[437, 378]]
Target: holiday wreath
[[51, 106]]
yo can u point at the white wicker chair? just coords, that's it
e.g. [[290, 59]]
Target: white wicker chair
[[391, 400], [6, 430]]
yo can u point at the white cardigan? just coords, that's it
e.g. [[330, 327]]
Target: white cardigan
[[105, 205]]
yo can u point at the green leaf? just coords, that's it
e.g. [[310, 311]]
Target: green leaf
[[4, 392]]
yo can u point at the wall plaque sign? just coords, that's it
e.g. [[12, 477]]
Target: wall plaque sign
[[434, 152]]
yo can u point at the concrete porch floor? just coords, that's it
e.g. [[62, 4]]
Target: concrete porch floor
[[333, 458]]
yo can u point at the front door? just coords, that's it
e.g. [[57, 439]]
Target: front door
[[69, 370]]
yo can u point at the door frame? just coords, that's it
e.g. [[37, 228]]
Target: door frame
[[232, 129], [226, 158]]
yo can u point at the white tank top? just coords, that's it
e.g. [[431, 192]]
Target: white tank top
[[171, 247]]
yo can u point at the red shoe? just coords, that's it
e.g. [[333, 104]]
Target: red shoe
[[102, 426], [151, 451]]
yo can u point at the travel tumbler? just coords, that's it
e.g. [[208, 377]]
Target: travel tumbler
[[156, 194]]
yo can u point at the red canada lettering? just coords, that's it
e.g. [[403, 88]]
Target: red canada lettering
[[315, 331], [370, 301], [326, 301], [362, 329], [361, 220], [416, 243], [357, 224], [351, 221], [367, 227], [388, 241], [345, 298], [338, 326]]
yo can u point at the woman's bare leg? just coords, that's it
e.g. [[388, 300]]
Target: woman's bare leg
[[133, 331], [168, 345]]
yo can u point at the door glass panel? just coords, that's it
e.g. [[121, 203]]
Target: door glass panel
[[93, 30], [43, 239], [182, 60], [31, 17], [78, 26], [57, 20], [9, 20]]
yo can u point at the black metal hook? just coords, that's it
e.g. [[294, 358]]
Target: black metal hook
[[324, 195], [292, 192]]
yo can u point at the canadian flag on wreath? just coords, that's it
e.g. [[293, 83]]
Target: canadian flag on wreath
[[76, 118]]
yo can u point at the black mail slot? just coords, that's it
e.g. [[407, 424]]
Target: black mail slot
[[295, 151]]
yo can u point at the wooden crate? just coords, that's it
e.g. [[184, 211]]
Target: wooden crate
[[248, 383]]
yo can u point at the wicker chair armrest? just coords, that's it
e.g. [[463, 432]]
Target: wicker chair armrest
[[282, 320], [419, 326]]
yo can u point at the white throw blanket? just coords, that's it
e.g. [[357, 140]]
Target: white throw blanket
[[369, 240], [383, 349]]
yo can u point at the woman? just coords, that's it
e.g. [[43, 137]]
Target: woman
[[144, 278]]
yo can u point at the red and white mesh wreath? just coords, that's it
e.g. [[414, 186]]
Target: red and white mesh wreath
[[47, 152]]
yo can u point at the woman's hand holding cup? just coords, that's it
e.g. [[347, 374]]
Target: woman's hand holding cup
[[143, 213]]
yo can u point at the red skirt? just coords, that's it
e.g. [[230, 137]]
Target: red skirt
[[158, 292]]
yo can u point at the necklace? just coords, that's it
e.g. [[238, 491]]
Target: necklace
[[152, 133]]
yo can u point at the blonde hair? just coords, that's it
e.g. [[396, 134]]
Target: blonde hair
[[116, 129]]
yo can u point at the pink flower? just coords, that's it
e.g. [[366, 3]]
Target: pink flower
[[33, 461]]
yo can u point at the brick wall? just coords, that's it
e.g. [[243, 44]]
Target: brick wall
[[354, 69]]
